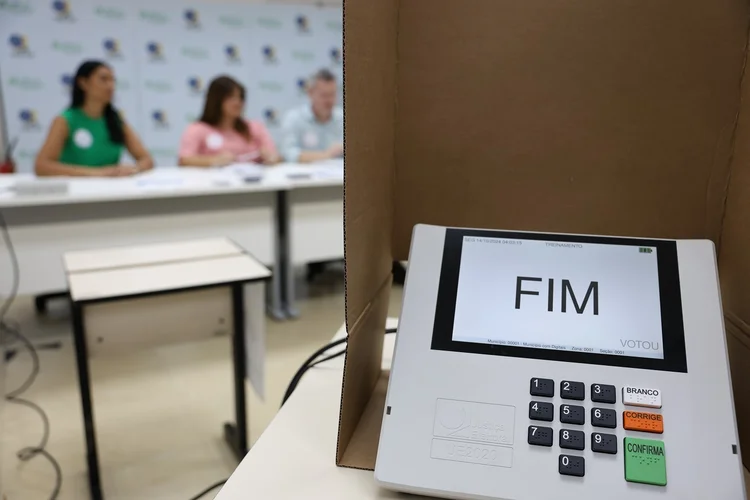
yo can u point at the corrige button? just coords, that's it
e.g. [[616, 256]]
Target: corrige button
[[643, 421]]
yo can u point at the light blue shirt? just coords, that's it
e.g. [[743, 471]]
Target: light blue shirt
[[302, 132]]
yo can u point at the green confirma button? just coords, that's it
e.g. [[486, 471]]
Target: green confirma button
[[645, 461]]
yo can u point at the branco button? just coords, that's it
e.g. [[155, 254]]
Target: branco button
[[643, 421], [641, 396]]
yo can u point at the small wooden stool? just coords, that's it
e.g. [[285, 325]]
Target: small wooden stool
[[142, 296]]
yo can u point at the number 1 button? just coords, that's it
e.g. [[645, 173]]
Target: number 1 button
[[542, 387]]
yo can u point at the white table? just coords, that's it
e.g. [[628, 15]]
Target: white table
[[295, 456], [293, 214], [150, 294]]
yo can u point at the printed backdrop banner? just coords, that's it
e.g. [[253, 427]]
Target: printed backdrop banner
[[164, 55]]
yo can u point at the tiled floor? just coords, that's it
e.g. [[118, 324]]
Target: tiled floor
[[159, 413]]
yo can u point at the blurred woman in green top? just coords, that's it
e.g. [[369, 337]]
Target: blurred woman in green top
[[87, 138]]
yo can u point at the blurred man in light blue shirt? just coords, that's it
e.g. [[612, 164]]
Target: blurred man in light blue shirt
[[315, 131]]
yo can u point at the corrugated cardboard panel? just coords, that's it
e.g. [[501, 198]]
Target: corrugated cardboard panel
[[370, 100], [587, 116], [361, 404]]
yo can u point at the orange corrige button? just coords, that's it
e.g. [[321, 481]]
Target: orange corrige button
[[643, 421]]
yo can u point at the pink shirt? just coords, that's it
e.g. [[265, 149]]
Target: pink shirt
[[201, 139]]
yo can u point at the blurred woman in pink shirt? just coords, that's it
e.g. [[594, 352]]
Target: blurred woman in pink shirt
[[222, 136]]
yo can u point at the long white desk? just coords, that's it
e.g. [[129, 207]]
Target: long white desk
[[295, 456], [172, 204]]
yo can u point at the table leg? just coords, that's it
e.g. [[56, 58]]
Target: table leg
[[236, 433], [285, 234], [276, 305], [82, 359]]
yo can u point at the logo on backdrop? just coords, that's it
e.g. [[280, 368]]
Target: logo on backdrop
[[335, 54], [62, 10], [18, 7], [302, 85], [155, 51], [303, 24], [159, 119], [232, 52], [27, 83], [19, 45], [111, 48], [69, 48], [111, 13], [269, 54], [194, 53], [66, 82], [303, 55], [157, 86], [271, 116], [192, 19], [195, 85], [231, 21], [153, 16], [269, 23], [28, 119]]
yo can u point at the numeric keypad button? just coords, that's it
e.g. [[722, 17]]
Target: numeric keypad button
[[540, 436], [604, 443], [603, 393], [539, 410], [572, 390], [603, 417], [571, 414], [570, 465], [543, 387], [572, 440]]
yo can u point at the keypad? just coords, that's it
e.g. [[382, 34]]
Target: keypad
[[570, 465], [604, 417], [572, 390], [603, 393], [644, 458], [572, 440], [543, 387], [539, 410], [604, 443], [540, 436], [571, 414]]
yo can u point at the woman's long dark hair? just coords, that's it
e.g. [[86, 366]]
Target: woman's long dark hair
[[219, 89], [111, 116]]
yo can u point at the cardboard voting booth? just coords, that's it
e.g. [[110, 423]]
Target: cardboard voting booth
[[627, 119]]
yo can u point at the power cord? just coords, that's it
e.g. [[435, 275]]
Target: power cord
[[9, 327], [209, 489], [309, 363]]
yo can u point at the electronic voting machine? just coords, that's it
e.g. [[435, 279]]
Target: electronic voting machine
[[546, 366]]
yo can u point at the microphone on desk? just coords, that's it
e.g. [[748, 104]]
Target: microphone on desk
[[8, 166]]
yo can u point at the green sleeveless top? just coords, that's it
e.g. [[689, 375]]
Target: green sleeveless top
[[88, 143]]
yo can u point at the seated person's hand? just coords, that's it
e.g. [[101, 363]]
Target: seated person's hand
[[224, 159], [336, 150], [126, 170], [269, 157]]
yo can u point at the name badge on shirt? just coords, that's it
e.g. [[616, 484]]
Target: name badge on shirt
[[214, 141], [83, 138], [310, 140]]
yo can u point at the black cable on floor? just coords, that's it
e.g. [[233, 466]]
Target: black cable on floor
[[209, 489], [9, 327]]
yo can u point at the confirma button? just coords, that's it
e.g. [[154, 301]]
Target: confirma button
[[641, 396]]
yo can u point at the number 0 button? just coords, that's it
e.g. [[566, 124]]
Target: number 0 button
[[572, 390], [570, 465], [544, 387]]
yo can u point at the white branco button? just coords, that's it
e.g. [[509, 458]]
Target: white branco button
[[641, 396]]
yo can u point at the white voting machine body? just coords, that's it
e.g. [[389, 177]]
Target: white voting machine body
[[536, 366]]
